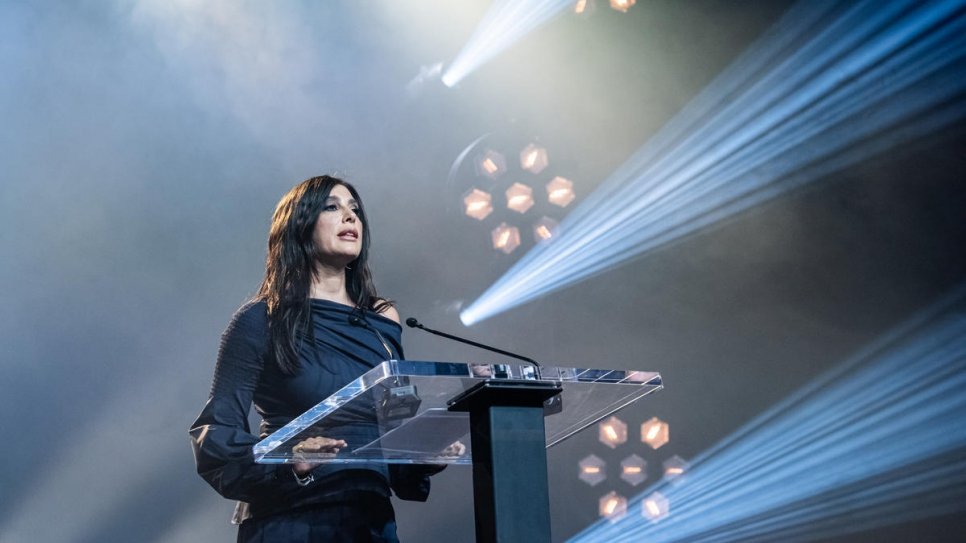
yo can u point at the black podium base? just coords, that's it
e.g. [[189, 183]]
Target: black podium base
[[510, 493]]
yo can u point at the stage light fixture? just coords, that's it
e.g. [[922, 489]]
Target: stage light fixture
[[831, 85], [477, 204], [612, 432], [505, 22], [622, 5], [585, 7], [654, 433], [491, 164], [875, 441], [655, 507], [519, 197], [560, 191], [505, 238], [633, 470], [592, 470], [674, 468], [612, 506], [544, 229], [533, 158]]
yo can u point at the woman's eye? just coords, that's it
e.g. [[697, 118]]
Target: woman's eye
[[330, 207], [356, 210]]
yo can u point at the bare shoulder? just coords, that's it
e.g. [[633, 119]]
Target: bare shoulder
[[390, 313]]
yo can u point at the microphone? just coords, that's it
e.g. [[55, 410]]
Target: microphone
[[413, 323], [356, 320], [400, 400]]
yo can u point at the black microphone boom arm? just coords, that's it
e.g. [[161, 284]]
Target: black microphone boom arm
[[413, 323]]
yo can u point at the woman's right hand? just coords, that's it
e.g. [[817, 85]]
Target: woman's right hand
[[317, 446]]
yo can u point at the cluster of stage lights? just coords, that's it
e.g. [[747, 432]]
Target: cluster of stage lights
[[519, 197], [612, 432], [831, 85], [878, 440]]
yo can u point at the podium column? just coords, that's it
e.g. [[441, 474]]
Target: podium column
[[510, 494]]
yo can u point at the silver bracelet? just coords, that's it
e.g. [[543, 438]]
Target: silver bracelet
[[303, 481]]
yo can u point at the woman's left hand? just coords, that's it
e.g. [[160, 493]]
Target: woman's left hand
[[455, 448], [317, 446]]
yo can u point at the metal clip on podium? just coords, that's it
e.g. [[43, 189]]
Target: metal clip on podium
[[506, 416]]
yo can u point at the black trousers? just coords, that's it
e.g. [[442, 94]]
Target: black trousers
[[367, 519]]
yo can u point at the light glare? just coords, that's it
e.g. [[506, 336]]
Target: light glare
[[491, 164], [655, 432], [655, 507], [591, 470], [612, 506], [633, 470], [477, 204], [506, 238], [836, 456], [674, 467], [544, 229], [533, 158], [833, 85], [622, 5], [560, 191], [612, 432], [505, 22], [519, 197]]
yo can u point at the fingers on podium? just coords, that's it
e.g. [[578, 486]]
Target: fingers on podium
[[319, 445]]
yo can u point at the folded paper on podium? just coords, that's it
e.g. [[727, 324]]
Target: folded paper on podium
[[399, 411]]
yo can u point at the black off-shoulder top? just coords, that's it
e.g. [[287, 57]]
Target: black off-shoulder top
[[343, 348]]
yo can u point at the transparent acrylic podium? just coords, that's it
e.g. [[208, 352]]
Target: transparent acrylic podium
[[402, 408], [498, 417]]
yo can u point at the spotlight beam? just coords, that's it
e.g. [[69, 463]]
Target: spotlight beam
[[505, 23], [836, 85], [874, 442], [811, 431]]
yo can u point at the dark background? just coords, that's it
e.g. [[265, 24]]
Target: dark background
[[145, 144]]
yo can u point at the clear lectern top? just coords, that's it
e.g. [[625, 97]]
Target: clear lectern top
[[397, 411]]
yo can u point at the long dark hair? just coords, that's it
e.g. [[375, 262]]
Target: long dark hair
[[291, 264]]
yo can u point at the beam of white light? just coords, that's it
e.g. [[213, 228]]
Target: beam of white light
[[829, 86], [877, 441], [505, 23], [79, 484]]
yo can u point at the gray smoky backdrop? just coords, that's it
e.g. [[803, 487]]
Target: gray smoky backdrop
[[144, 144]]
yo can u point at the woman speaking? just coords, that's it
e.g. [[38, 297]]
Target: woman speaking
[[315, 324]]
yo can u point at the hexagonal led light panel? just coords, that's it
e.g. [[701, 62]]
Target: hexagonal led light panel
[[491, 164], [519, 197], [655, 433], [506, 238], [477, 204], [533, 158], [612, 432], [592, 470], [674, 467], [622, 5], [584, 7], [544, 229], [655, 507], [612, 506], [633, 470], [560, 191]]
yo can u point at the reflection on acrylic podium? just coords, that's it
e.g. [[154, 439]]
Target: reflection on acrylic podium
[[500, 418]]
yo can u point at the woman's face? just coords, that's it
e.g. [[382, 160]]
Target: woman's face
[[338, 230]]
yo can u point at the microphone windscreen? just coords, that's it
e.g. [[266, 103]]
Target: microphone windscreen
[[411, 322]]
